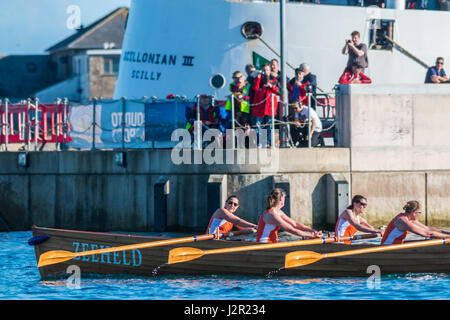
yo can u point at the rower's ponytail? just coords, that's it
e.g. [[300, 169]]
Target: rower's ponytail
[[274, 197], [411, 206]]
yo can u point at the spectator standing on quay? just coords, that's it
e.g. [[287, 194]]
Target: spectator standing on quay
[[436, 74], [240, 89], [296, 88], [252, 73], [311, 79], [354, 75], [357, 51], [265, 85], [299, 130], [209, 116], [275, 69]]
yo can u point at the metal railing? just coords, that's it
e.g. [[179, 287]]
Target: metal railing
[[32, 123], [129, 124]]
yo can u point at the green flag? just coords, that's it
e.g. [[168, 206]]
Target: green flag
[[259, 61]]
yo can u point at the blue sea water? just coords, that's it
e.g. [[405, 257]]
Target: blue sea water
[[20, 280]]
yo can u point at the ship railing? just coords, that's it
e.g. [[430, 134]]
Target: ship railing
[[146, 123]]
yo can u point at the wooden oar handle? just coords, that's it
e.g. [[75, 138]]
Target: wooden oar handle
[[366, 236], [237, 233]]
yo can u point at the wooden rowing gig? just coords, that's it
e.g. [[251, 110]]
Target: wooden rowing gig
[[153, 261]]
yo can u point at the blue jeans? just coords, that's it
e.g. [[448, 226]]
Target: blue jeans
[[259, 122]]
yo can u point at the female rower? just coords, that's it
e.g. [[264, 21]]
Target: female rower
[[224, 219], [274, 219], [408, 221], [350, 220]]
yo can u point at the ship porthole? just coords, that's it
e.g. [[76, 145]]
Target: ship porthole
[[217, 81], [252, 30]]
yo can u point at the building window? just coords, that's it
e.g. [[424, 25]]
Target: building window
[[381, 34], [111, 65]]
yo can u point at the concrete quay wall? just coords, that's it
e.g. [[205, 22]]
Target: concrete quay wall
[[89, 191], [398, 140]]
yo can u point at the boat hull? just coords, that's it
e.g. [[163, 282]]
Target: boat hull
[[153, 261]]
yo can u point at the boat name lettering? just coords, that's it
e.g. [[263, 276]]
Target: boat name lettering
[[145, 75], [156, 58], [124, 258]]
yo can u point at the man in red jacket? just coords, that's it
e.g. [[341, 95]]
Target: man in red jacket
[[265, 85], [354, 75]]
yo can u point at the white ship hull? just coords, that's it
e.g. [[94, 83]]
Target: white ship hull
[[175, 46]]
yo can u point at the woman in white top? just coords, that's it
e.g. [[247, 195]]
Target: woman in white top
[[350, 220]]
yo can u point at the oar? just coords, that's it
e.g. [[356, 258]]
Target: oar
[[58, 256], [302, 258], [186, 254]]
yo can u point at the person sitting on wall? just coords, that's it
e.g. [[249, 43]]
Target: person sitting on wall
[[299, 129], [437, 73], [353, 75], [224, 219]]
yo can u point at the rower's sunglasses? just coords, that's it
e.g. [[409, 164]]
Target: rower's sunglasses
[[231, 203], [364, 204], [439, 62]]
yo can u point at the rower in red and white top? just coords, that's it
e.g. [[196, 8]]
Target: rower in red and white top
[[408, 221], [393, 235], [274, 219], [224, 219], [267, 233], [350, 220]]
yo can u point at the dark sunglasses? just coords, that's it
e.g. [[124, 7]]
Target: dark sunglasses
[[231, 203], [364, 204], [439, 63]]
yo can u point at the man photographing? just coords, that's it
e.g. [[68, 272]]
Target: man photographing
[[357, 51]]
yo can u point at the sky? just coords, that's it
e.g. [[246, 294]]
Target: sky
[[32, 26]]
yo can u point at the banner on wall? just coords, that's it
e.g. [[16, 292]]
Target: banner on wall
[[129, 124]]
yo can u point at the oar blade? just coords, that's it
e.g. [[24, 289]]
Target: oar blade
[[184, 254], [301, 258], [54, 257]]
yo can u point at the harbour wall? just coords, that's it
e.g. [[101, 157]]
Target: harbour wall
[[393, 147]]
